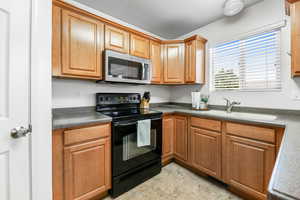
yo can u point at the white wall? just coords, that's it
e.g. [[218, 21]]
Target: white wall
[[75, 93], [254, 18]]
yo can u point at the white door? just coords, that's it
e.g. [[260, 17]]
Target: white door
[[14, 98]]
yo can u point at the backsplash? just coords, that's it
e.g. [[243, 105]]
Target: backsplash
[[77, 93]]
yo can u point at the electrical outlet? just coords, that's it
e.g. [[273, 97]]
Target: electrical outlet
[[296, 97]]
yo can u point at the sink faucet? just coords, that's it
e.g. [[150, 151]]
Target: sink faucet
[[229, 104]]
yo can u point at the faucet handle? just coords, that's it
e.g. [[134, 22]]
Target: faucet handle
[[227, 101], [236, 102]]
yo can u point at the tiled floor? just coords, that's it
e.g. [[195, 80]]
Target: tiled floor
[[177, 183]]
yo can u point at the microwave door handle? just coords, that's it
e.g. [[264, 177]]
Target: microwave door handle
[[143, 71]]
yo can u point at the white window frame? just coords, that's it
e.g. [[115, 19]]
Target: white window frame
[[275, 27]]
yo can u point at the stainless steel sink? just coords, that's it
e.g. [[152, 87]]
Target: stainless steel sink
[[242, 115]]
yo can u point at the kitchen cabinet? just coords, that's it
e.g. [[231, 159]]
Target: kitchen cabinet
[[249, 165], [240, 155], [168, 139], [173, 63], [77, 45], [139, 46], [116, 39], [180, 138], [81, 162], [156, 62], [250, 153], [195, 60], [86, 167], [206, 151], [295, 38]]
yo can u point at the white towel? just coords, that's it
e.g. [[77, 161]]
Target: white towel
[[143, 133]]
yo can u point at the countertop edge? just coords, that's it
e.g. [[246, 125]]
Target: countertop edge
[[77, 124]]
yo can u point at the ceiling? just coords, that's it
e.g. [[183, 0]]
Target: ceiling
[[168, 19]]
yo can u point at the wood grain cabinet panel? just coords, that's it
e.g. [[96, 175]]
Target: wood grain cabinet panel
[[139, 46], [206, 151], [168, 138], [82, 46], [209, 124], [116, 39], [195, 61], [253, 132], [249, 165], [156, 62], [56, 40], [87, 169], [295, 38], [173, 63], [181, 138]]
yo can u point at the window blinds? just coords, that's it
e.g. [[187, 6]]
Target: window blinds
[[249, 64]]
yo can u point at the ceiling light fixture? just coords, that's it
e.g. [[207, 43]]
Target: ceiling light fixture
[[233, 7]]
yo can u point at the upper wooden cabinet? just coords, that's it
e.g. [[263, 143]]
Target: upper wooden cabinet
[[181, 138], [139, 46], [295, 38], [173, 56], [156, 62], [79, 38], [168, 138], [116, 39], [195, 60]]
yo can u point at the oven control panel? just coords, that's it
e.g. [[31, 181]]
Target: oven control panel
[[117, 98]]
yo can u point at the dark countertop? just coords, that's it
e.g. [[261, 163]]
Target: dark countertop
[[71, 117], [285, 180]]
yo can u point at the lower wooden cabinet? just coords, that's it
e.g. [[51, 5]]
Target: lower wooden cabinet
[[240, 155], [168, 138], [87, 169], [181, 138], [206, 151], [81, 162], [249, 165]]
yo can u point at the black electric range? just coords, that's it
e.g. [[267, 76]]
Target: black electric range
[[131, 164]]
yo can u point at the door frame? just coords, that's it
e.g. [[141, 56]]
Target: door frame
[[41, 100]]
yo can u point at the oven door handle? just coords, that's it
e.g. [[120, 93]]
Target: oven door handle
[[127, 124]]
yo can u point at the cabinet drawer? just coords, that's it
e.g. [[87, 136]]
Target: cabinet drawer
[[85, 134], [249, 131], [209, 124]]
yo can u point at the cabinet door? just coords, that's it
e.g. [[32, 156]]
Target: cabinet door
[[249, 165], [295, 30], [180, 140], [139, 46], [87, 170], [56, 40], [82, 45], [174, 63], [116, 39], [206, 151], [190, 61], [156, 61], [168, 137]]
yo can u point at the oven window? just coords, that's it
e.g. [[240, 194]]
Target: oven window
[[119, 68], [130, 148]]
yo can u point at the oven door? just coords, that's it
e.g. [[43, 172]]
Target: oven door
[[125, 68], [126, 153]]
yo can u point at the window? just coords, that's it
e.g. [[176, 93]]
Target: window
[[249, 64]]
